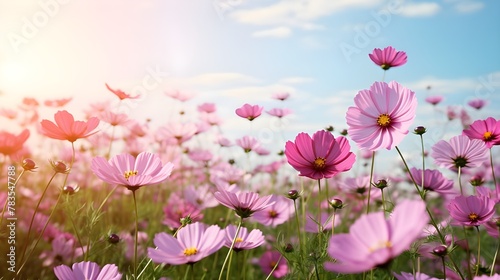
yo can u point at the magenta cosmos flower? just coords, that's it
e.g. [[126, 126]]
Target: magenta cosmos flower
[[417, 276], [245, 240], [433, 181], [460, 152], [374, 240], [87, 270], [477, 103], [243, 203], [321, 156], [381, 116], [486, 130], [66, 128], [249, 112], [193, 243], [388, 57], [131, 172], [471, 210]]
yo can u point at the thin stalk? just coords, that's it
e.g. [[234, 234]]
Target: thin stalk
[[187, 272], [460, 180], [298, 226], [444, 267], [496, 254], [423, 160], [493, 173], [41, 234], [433, 222], [33, 217], [478, 250], [135, 234], [370, 183], [320, 229], [383, 200], [333, 220], [7, 200], [231, 248], [274, 268]]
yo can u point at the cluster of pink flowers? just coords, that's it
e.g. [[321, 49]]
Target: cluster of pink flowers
[[170, 196]]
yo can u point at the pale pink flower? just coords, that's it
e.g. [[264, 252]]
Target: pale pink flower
[[276, 214], [120, 94], [381, 116], [249, 112], [281, 96], [179, 95], [131, 172], [245, 204], [193, 243], [245, 240], [279, 112], [460, 152], [87, 271], [388, 57]]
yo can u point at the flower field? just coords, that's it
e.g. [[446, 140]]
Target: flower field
[[187, 200]]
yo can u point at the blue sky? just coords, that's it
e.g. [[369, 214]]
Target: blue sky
[[240, 51]]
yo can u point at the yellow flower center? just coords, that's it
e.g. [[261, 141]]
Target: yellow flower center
[[380, 245], [238, 240], [190, 251], [487, 135], [473, 217], [319, 163], [273, 214], [129, 173], [384, 120]]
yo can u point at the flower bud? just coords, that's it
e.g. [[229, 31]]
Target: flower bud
[[419, 130], [59, 166], [293, 194], [440, 251], [336, 203], [288, 248], [69, 190], [29, 164], [113, 238], [381, 184]]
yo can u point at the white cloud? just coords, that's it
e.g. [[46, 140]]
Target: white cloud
[[468, 6], [421, 9], [256, 93], [296, 80], [278, 32], [297, 13]]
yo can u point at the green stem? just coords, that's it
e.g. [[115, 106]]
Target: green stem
[[333, 220], [478, 250], [372, 167], [320, 228], [41, 234], [460, 180], [274, 268], [496, 254], [187, 271], [383, 201], [298, 226], [493, 173], [433, 222], [231, 248], [33, 217], [135, 234], [444, 267]]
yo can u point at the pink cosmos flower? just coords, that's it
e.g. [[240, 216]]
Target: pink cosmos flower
[[279, 112], [131, 172], [434, 100], [471, 210], [66, 128], [486, 130], [459, 151], [201, 196], [57, 102], [282, 96], [417, 276], [193, 243], [374, 240], [177, 208], [243, 203], [269, 260], [63, 249], [433, 181], [249, 112], [207, 108], [8, 113], [248, 143], [179, 95], [381, 116], [321, 156], [359, 186], [388, 57], [114, 119], [180, 132], [276, 214], [87, 271], [477, 103], [245, 240], [11, 144], [120, 94]]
